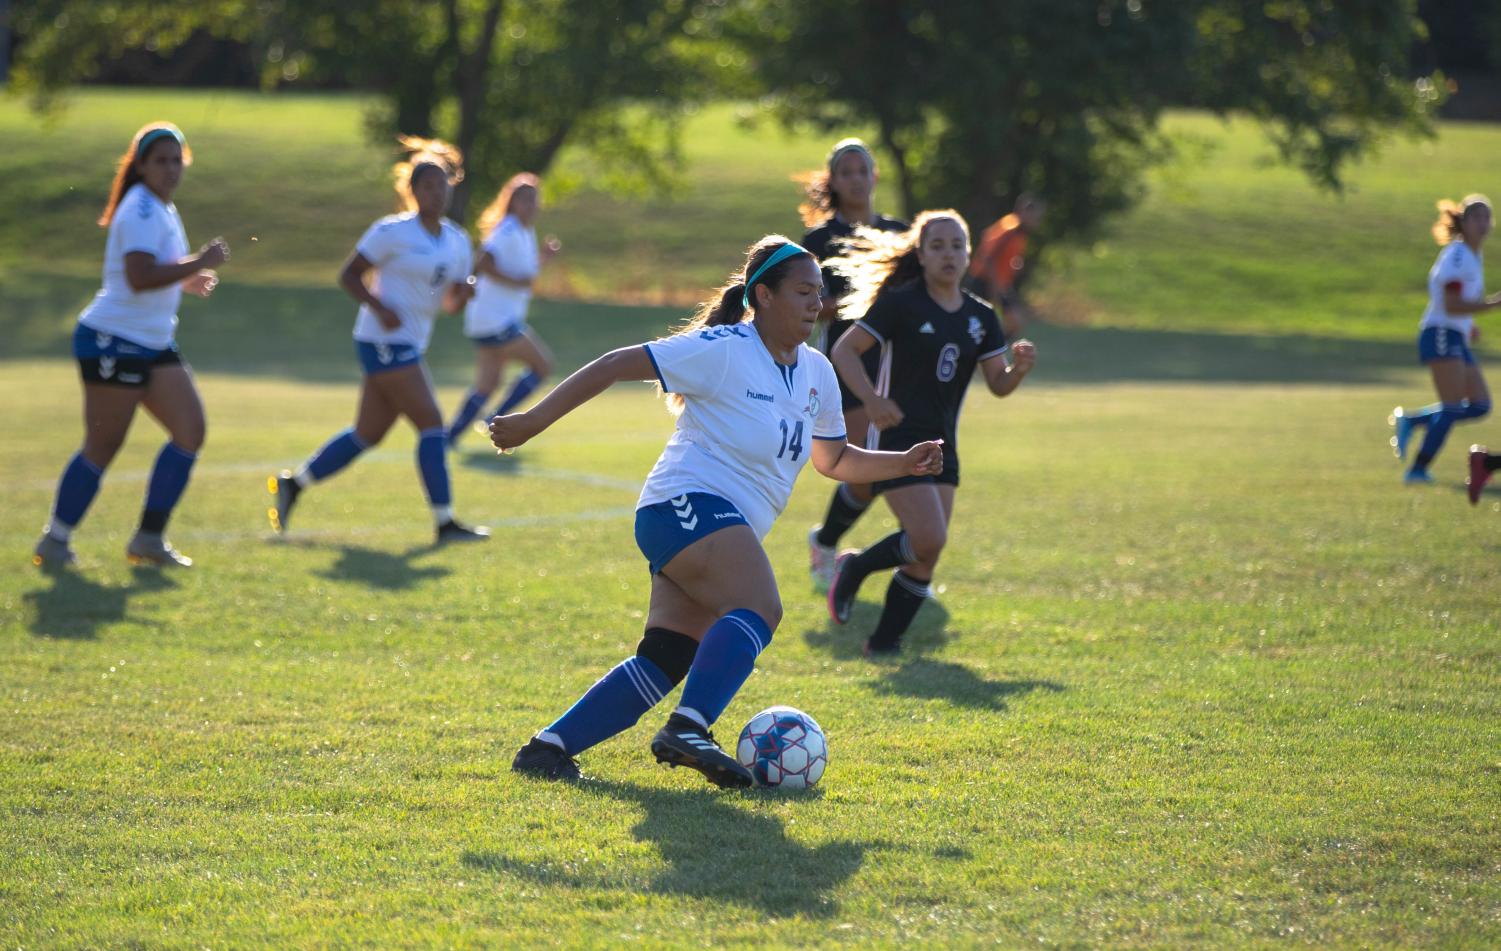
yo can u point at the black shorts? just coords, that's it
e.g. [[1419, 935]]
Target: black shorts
[[900, 440], [116, 361]]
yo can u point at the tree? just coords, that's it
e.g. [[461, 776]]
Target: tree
[[979, 100], [510, 83]]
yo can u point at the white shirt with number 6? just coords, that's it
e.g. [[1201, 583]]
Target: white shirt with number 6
[[412, 270]]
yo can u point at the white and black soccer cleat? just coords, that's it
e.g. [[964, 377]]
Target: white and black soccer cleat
[[544, 760], [51, 554], [150, 548], [452, 531], [683, 742]]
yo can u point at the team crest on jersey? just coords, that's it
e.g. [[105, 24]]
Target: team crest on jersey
[[812, 408], [976, 331]]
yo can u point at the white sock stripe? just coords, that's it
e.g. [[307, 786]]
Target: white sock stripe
[[643, 683], [750, 632], [904, 548], [921, 589], [849, 498]]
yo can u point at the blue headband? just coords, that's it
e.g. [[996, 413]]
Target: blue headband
[[790, 249], [156, 135]]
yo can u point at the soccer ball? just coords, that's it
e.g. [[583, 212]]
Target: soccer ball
[[783, 748]]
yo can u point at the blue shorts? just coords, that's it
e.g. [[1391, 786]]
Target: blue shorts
[[1442, 343], [666, 528], [380, 357], [112, 359], [513, 332]]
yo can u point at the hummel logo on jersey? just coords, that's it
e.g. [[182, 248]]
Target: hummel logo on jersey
[[760, 396], [926, 328]]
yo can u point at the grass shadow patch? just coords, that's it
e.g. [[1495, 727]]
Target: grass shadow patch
[[926, 679], [74, 606]]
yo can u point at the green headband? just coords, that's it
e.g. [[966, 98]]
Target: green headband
[[790, 249], [156, 135]]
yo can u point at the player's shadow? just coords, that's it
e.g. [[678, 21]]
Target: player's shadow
[[925, 679], [929, 630], [386, 570], [714, 850], [487, 460], [75, 606]]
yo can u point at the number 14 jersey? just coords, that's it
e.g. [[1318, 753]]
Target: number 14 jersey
[[747, 423]]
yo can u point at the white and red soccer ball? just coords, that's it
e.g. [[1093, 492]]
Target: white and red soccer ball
[[783, 748]]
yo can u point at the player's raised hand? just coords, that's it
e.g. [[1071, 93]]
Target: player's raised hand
[[213, 254], [201, 284], [1023, 356], [925, 458], [508, 432]]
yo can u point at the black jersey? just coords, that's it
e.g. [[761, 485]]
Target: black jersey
[[928, 354], [824, 240]]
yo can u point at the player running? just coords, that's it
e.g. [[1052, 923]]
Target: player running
[[931, 333], [1456, 292], [495, 319], [839, 200], [127, 352], [417, 262], [754, 403]]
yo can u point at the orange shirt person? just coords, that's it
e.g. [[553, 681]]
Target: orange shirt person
[[1001, 258]]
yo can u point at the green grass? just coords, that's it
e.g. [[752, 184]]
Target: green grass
[[1199, 670]]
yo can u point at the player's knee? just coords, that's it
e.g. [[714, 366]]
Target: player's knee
[[370, 436], [769, 609], [1478, 409], [100, 448], [671, 652], [928, 544], [190, 436]]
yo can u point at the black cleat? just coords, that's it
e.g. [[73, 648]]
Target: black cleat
[[286, 490], [684, 743], [874, 651], [543, 760], [451, 531], [843, 590]]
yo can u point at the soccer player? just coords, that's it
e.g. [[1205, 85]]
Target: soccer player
[[126, 348], [1456, 292], [839, 200], [495, 319], [932, 333], [1000, 260], [754, 403], [417, 262]]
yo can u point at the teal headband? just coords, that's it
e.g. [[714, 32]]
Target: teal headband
[[154, 136], [788, 250]]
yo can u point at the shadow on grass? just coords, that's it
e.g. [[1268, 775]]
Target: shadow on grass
[[303, 333], [714, 850], [925, 679], [386, 570], [75, 606], [487, 460]]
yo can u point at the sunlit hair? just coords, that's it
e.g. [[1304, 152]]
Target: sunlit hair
[[819, 198], [423, 156], [876, 261], [126, 172], [727, 305], [501, 206], [1452, 214]]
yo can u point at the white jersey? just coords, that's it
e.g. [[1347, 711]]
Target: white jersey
[[412, 270], [142, 222], [1457, 264], [496, 307], [748, 422]]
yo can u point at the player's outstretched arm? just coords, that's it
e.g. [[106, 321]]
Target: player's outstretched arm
[[846, 357], [143, 272], [1002, 377], [845, 463], [627, 363]]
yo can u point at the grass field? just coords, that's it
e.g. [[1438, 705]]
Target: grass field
[[1199, 670]]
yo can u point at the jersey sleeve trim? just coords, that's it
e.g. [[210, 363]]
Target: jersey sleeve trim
[[994, 353], [870, 330], [844, 436], [656, 369]]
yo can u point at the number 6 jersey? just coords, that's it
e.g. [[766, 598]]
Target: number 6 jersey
[[748, 422]]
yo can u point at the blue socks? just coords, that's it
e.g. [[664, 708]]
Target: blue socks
[[337, 453], [474, 401], [723, 662], [520, 390], [432, 462], [614, 704], [75, 490], [1440, 423], [169, 477]]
